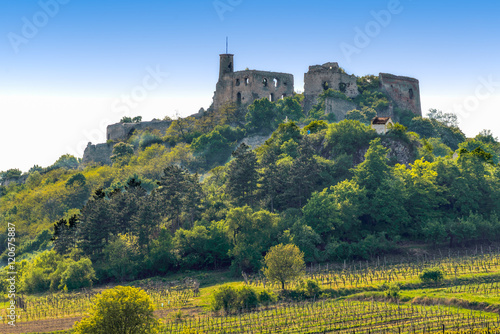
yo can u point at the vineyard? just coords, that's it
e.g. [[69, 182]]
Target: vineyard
[[340, 317], [338, 309]]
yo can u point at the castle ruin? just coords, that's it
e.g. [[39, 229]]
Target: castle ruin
[[327, 76], [244, 87], [403, 91]]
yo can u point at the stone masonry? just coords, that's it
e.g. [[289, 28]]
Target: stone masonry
[[403, 91], [244, 87], [322, 77]]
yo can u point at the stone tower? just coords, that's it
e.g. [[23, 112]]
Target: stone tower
[[226, 65]]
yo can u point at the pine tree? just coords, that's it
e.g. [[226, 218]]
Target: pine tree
[[242, 176]]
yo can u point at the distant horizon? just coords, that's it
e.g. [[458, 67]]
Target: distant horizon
[[68, 69]]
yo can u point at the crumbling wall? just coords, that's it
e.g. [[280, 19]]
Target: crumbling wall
[[100, 153], [403, 91], [339, 107], [122, 131], [322, 77], [244, 87]]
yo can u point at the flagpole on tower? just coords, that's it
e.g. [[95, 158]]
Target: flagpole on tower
[[227, 45]]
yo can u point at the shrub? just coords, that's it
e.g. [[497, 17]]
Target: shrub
[[120, 310], [246, 298], [434, 275], [224, 298], [309, 288], [267, 297], [392, 291], [230, 299]]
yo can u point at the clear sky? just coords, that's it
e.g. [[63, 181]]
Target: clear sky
[[68, 68]]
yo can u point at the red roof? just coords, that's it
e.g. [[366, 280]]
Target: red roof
[[381, 120]]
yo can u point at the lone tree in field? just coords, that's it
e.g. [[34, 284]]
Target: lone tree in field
[[284, 263], [122, 310]]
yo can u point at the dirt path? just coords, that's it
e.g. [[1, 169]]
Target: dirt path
[[40, 326]]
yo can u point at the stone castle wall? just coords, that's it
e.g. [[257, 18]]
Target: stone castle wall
[[322, 77], [122, 131], [339, 107], [244, 87], [403, 91], [100, 153]]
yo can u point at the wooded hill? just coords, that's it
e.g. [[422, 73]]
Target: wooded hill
[[193, 198]]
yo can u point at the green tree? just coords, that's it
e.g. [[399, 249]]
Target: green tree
[[122, 152], [284, 263], [260, 116], [289, 108], [320, 213], [348, 136], [121, 310], [242, 175], [250, 234]]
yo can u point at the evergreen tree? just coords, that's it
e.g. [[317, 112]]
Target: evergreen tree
[[242, 176]]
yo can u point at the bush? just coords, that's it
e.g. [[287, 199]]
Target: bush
[[434, 275], [120, 310], [224, 298], [231, 300], [309, 288], [267, 297], [78, 275], [392, 291], [246, 298]]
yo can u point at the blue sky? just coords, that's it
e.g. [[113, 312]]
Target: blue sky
[[67, 66]]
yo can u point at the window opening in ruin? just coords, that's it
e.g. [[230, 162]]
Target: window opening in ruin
[[325, 85], [271, 97], [342, 87], [238, 98], [247, 81], [230, 66], [411, 93], [237, 82], [283, 96], [276, 82], [264, 82]]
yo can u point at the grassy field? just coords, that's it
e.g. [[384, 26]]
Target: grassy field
[[358, 297]]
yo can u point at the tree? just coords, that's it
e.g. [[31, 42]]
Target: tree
[[122, 153], [11, 174], [284, 263], [242, 175], [122, 310], [251, 234], [260, 116]]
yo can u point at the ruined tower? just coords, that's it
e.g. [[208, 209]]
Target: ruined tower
[[403, 91], [322, 77], [226, 65], [244, 87]]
